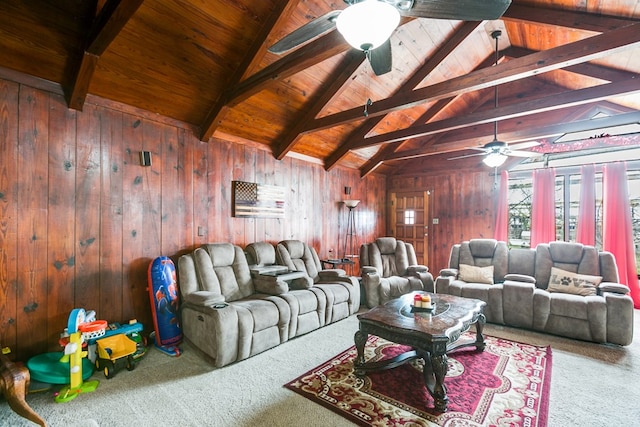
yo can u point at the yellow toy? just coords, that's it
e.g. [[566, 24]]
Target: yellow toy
[[79, 330]]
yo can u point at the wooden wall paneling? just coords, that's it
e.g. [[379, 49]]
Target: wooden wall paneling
[[185, 167], [283, 179], [87, 232], [152, 214], [220, 187], [135, 300], [174, 227], [275, 175], [462, 202], [82, 219], [33, 134], [201, 194], [8, 213], [111, 219], [260, 176], [61, 220], [248, 161]]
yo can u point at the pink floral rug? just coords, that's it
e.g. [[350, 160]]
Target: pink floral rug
[[505, 385]]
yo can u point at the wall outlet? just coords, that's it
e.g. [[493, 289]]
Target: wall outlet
[[436, 220], [201, 231]]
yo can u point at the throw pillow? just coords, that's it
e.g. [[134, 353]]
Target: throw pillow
[[572, 283], [473, 274]]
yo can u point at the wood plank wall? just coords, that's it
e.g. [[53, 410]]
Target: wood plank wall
[[463, 202], [81, 219]]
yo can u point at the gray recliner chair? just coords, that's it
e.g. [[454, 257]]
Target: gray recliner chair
[[477, 269], [389, 269]]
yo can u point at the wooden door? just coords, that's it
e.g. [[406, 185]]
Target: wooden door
[[409, 221]]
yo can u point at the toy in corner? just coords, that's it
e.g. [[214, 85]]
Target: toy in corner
[[163, 292], [80, 326]]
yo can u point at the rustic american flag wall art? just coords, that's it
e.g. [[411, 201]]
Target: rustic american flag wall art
[[251, 200]]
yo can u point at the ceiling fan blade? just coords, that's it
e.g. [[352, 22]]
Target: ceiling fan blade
[[468, 155], [465, 10], [524, 145], [517, 153], [380, 58], [307, 32]]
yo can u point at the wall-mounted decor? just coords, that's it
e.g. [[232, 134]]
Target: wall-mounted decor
[[251, 200]]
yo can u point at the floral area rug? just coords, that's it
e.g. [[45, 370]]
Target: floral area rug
[[507, 384]]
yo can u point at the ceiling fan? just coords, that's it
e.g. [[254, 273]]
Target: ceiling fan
[[496, 151], [368, 24]]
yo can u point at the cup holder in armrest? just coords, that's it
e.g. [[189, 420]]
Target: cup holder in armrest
[[220, 305]]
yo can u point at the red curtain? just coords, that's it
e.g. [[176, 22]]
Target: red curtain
[[617, 234], [501, 229], [543, 210], [586, 232]]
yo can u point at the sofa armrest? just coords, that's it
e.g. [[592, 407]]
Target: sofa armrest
[[371, 285], [204, 298], [616, 288], [519, 278], [414, 269], [367, 269], [449, 272], [331, 273]]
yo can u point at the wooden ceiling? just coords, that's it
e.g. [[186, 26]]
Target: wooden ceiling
[[206, 64]]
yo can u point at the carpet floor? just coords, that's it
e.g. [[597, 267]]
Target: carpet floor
[[592, 385]]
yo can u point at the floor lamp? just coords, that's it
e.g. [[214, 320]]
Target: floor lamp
[[351, 228]]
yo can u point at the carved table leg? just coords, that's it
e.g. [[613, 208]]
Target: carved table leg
[[360, 339], [480, 345], [14, 384], [439, 367]]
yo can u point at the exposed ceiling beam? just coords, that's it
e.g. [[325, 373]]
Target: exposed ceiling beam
[[585, 69], [315, 52], [110, 21], [564, 18], [217, 112], [466, 29], [523, 133], [389, 149], [539, 105], [335, 83], [552, 59]]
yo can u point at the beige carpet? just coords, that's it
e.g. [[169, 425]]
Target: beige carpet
[[592, 385]]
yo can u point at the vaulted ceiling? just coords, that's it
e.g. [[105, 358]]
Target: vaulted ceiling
[[564, 66]]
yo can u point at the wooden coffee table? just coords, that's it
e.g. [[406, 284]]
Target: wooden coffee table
[[431, 335]]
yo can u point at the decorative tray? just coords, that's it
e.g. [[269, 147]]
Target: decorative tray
[[415, 309]]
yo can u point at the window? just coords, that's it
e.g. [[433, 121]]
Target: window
[[409, 217], [567, 197]]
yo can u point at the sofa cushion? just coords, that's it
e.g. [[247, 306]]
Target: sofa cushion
[[473, 274], [572, 283]]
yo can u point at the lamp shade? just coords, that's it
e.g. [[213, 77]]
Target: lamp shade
[[494, 160], [368, 24], [351, 203]]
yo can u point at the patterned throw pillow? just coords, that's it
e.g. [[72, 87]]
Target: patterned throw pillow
[[572, 283], [473, 274]]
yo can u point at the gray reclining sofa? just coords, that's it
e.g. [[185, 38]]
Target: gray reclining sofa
[[561, 288], [231, 310]]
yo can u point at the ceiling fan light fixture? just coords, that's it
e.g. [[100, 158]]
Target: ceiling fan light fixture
[[368, 24], [494, 160]]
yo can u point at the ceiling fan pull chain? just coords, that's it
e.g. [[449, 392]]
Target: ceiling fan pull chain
[[366, 106]]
